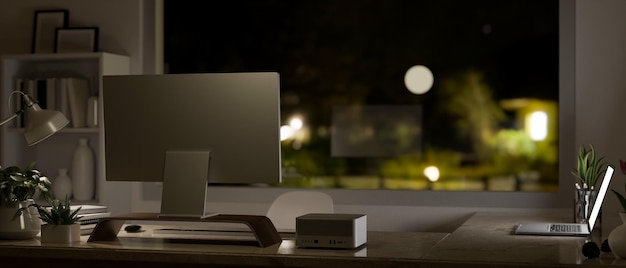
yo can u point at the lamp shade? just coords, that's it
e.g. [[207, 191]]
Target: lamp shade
[[40, 124]]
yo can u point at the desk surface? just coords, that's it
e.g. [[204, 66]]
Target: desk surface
[[484, 240]]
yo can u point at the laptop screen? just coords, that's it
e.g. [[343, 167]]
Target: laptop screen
[[595, 211]]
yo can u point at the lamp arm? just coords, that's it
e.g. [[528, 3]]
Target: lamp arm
[[27, 100], [10, 118]]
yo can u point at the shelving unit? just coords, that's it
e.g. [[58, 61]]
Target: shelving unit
[[56, 152]]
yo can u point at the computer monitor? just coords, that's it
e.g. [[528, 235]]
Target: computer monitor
[[189, 130]]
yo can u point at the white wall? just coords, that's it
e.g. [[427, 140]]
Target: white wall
[[126, 27], [601, 87]]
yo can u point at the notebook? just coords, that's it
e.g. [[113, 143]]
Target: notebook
[[570, 229]]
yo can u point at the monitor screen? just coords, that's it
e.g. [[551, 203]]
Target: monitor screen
[[189, 130]]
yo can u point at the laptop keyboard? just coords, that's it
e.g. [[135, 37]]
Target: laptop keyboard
[[565, 228]]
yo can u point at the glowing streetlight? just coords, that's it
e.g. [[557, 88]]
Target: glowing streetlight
[[418, 79], [296, 123], [537, 125], [285, 132], [432, 173]]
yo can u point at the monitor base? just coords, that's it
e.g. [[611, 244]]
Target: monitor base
[[261, 226]]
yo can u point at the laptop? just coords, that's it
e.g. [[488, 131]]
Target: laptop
[[569, 229]]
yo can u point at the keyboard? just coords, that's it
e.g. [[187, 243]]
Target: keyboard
[[565, 228]]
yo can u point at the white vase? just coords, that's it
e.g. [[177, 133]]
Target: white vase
[[25, 226], [62, 185], [83, 172], [64, 234], [617, 238]]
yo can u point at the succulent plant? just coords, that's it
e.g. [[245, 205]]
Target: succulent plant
[[58, 213], [589, 167]]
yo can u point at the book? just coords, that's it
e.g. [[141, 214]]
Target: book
[[42, 95], [92, 217], [78, 93], [30, 89], [87, 230], [62, 100], [89, 209], [50, 92], [88, 221]]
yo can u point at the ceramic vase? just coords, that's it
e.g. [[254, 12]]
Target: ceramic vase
[[62, 185], [25, 226], [61, 234], [617, 238], [83, 173]]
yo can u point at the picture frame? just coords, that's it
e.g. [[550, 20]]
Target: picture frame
[[44, 29], [76, 40]]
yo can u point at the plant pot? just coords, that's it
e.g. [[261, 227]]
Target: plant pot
[[25, 226], [584, 201], [60, 234]]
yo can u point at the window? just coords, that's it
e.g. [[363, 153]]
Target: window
[[481, 112]]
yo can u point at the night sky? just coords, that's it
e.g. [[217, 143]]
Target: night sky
[[357, 51], [366, 43]]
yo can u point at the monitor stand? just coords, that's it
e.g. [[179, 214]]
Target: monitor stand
[[185, 182]]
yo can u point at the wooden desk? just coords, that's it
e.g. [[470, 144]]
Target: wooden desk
[[484, 240]]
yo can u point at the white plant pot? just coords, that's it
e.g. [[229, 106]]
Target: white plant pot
[[60, 234], [25, 226]]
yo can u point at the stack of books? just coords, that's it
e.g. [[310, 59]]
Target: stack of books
[[90, 214], [68, 95]]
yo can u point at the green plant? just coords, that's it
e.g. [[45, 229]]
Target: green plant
[[589, 167], [58, 213], [17, 185]]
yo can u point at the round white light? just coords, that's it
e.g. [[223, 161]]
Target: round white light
[[432, 173], [538, 126], [295, 123], [285, 132], [418, 79]]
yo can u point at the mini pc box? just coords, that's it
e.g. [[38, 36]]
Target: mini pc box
[[324, 230]]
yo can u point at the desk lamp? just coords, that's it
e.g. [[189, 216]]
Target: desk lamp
[[39, 123]]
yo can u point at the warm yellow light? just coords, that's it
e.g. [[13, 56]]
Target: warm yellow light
[[285, 132], [538, 125], [432, 173], [296, 123]]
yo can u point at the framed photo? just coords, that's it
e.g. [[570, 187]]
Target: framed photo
[[76, 40], [46, 22]]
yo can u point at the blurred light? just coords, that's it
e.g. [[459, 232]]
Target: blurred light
[[432, 173], [418, 79], [487, 28], [285, 132], [295, 123], [538, 125]]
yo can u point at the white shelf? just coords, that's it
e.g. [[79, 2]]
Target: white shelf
[[56, 151], [64, 130]]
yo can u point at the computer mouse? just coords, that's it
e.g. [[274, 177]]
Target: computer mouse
[[133, 228]]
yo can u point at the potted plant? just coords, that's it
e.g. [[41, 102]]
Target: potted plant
[[589, 168], [18, 187], [61, 222]]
